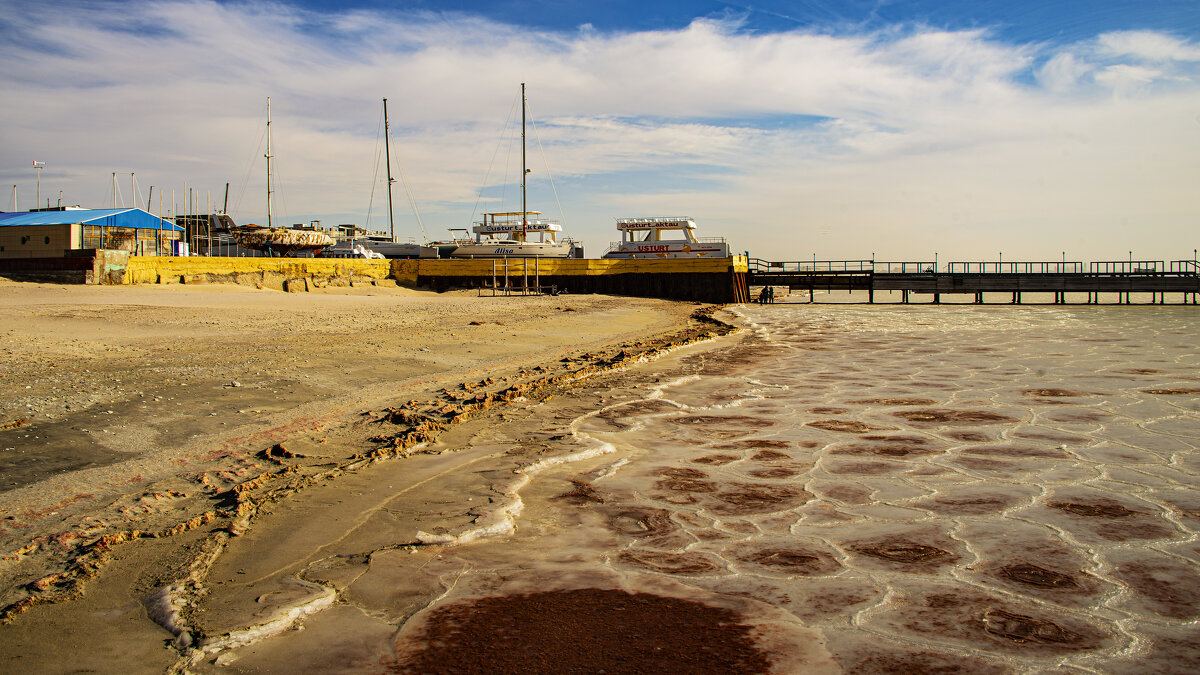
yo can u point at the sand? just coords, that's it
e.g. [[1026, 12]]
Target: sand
[[145, 427]]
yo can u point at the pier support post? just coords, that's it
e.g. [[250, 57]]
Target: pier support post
[[937, 298]]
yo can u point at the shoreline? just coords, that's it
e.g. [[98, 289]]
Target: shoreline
[[267, 472]]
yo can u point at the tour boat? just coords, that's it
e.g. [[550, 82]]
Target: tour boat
[[513, 234], [644, 238], [509, 233]]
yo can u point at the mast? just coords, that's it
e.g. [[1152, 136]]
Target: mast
[[524, 171], [268, 156], [387, 134]]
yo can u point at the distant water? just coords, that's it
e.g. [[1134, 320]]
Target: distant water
[[976, 489]]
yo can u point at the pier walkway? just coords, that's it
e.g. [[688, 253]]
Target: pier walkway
[[1115, 279]]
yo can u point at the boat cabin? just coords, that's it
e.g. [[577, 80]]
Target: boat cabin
[[664, 237], [515, 226]]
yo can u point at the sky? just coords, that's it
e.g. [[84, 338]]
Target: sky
[[897, 130]]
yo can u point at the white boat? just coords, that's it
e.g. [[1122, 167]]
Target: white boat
[[644, 238], [509, 233], [515, 234], [381, 245]]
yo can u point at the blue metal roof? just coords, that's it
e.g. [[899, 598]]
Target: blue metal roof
[[134, 218]]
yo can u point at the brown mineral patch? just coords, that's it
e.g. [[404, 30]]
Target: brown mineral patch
[[898, 661], [828, 410], [1171, 587], [905, 552], [754, 444], [889, 448], [610, 631], [1021, 629], [581, 493], [1015, 451], [981, 464], [848, 426], [895, 401], [775, 472], [744, 499], [1054, 437], [863, 468], [1051, 392], [1098, 510], [788, 559], [851, 494], [744, 421], [716, 459], [936, 416], [687, 564], [682, 483], [967, 506], [1139, 371], [968, 436], [769, 456], [1176, 391], [642, 522], [1032, 575]]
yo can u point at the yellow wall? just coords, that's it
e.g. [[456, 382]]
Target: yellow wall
[[148, 269], [62, 239]]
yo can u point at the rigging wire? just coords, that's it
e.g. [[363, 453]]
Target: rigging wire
[[561, 216], [237, 203], [375, 177], [492, 163], [411, 197]]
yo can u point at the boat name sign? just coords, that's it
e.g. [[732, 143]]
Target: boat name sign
[[517, 227]]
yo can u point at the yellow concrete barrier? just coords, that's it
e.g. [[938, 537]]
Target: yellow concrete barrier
[[154, 269]]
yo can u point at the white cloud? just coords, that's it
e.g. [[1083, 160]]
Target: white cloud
[[897, 141], [1146, 46]]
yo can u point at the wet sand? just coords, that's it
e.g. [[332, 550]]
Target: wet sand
[[836, 489]]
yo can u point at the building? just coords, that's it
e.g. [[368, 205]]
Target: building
[[56, 233]]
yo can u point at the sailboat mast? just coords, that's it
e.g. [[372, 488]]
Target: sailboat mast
[[387, 149], [268, 156], [524, 171]]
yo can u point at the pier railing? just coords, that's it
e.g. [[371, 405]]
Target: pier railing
[[1015, 267], [779, 267], [1128, 267], [1185, 267]]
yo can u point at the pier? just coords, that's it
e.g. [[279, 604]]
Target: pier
[[1118, 280]]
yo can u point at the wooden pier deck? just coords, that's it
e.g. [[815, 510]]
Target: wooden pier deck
[[1116, 281]]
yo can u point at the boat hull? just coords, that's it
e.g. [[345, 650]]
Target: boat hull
[[514, 250], [281, 240], [388, 249]]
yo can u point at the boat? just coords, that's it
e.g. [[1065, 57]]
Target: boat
[[644, 238], [508, 233], [513, 234], [355, 242], [282, 241]]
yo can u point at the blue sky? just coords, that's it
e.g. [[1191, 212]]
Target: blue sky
[[839, 129]]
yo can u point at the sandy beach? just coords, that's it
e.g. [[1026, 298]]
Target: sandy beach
[[139, 421]]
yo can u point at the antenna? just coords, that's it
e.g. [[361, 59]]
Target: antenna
[[38, 166]]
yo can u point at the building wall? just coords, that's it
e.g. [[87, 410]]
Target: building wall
[[38, 241]]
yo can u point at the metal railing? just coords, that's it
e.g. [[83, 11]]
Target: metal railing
[[1128, 267], [1185, 266], [1015, 267], [802, 266]]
